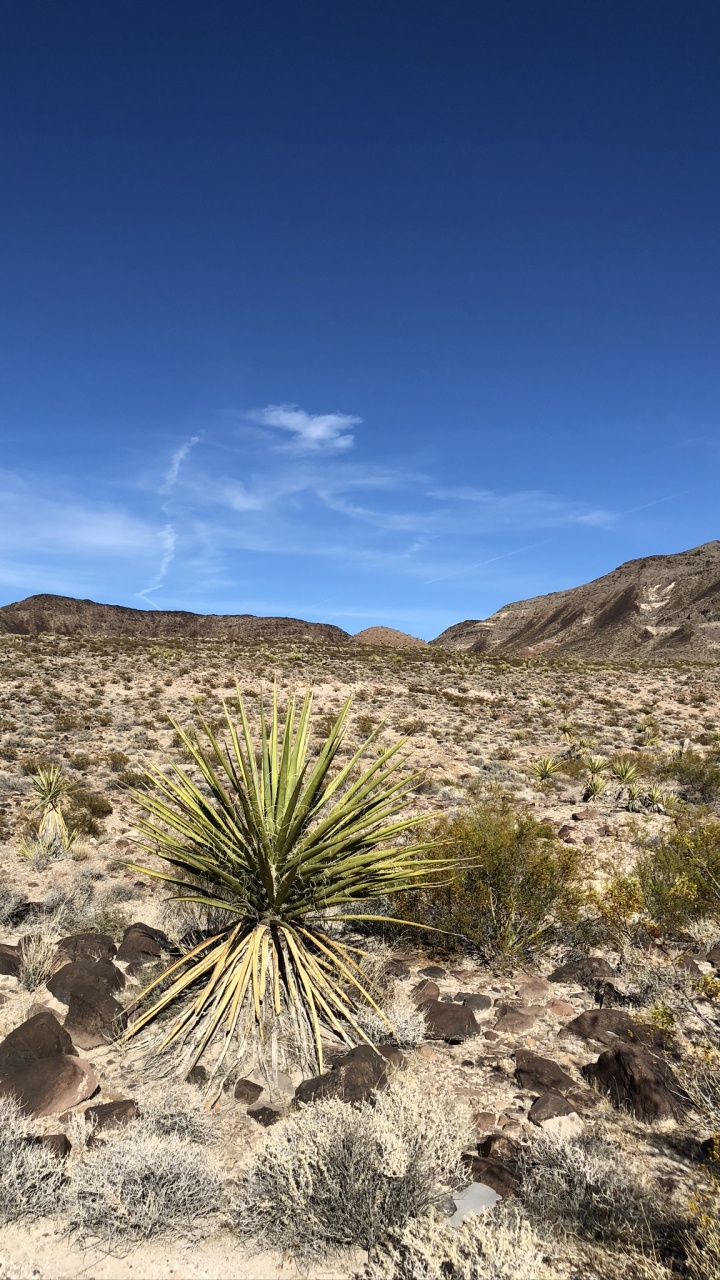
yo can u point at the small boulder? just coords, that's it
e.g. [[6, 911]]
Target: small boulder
[[541, 1075], [433, 971], [94, 1018], [354, 1078], [87, 946], [425, 991], [512, 1020], [560, 1008], [548, 1106], [636, 1081], [713, 956], [397, 969], [607, 1026], [142, 944], [49, 1086], [111, 1115], [247, 1091], [87, 977], [586, 971], [34, 1040], [585, 815], [450, 1022], [265, 1116], [58, 1144], [473, 1000], [9, 960], [494, 1173]]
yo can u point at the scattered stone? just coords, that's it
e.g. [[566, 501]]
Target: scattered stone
[[58, 1144], [585, 815], [87, 946], [450, 1022], [9, 960], [433, 971], [607, 1026], [564, 831], [197, 1075], [605, 829], [110, 1115], [532, 987], [541, 1075], [560, 1008], [425, 991], [247, 1091], [142, 944], [87, 977], [713, 956], [94, 1018], [398, 969], [585, 970], [548, 1106], [50, 1085], [36, 1039], [265, 1115], [353, 1078], [499, 1146], [512, 1020], [636, 1081], [495, 1174], [473, 1000]]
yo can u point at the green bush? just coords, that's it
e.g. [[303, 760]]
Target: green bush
[[515, 885], [679, 880], [698, 776]]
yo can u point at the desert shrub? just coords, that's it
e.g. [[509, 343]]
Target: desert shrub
[[587, 1190], [176, 1110], [697, 774], [31, 1177], [520, 884], [84, 810], [496, 1245], [408, 1022], [677, 881], [335, 1175], [134, 1184], [38, 952]]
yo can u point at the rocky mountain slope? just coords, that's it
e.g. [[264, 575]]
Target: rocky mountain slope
[[66, 616], [660, 606]]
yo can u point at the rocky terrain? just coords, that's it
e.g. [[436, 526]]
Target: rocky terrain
[[568, 1043], [660, 608]]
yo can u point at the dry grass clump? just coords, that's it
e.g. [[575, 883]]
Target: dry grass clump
[[31, 1177], [176, 1110], [135, 1184], [333, 1175], [408, 1022], [38, 953], [588, 1191], [497, 1245]]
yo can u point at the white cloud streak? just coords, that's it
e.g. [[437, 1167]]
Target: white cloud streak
[[311, 431]]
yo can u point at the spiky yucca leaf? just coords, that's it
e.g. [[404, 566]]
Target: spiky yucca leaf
[[283, 842]]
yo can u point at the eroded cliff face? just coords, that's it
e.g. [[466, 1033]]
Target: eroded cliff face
[[663, 606]]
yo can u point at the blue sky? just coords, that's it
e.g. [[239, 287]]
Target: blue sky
[[365, 312]]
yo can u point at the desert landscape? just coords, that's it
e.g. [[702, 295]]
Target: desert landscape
[[534, 1090]]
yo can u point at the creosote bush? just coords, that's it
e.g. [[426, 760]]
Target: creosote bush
[[677, 881], [31, 1177], [334, 1175], [522, 887]]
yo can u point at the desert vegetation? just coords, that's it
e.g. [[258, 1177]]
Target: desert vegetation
[[506, 969]]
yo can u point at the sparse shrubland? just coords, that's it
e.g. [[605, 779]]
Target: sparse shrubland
[[497, 1245], [31, 1176]]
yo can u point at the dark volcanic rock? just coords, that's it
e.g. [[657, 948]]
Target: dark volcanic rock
[[425, 990], [87, 946], [472, 1000], [142, 944], [93, 1018], [451, 1022], [247, 1091], [110, 1115], [87, 977], [637, 1081], [548, 1106], [607, 1026], [265, 1116], [433, 971], [354, 1078], [585, 970], [541, 1075], [9, 960], [50, 1085], [38, 1038]]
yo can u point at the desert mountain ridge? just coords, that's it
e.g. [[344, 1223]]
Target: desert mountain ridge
[[660, 607]]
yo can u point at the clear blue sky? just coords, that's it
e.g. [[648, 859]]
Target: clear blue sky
[[371, 312]]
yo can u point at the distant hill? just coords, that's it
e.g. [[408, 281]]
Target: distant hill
[[389, 637], [65, 616], [661, 606]]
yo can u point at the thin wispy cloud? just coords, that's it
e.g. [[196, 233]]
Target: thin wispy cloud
[[173, 471], [310, 431]]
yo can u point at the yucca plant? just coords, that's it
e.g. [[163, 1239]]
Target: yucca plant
[[290, 848], [594, 787], [545, 768], [634, 797], [623, 769], [595, 765], [50, 787]]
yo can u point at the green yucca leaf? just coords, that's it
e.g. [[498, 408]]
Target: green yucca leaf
[[286, 844]]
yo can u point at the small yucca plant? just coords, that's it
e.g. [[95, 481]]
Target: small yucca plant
[[623, 769], [50, 787], [595, 765], [287, 847], [594, 787], [634, 797], [545, 768]]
